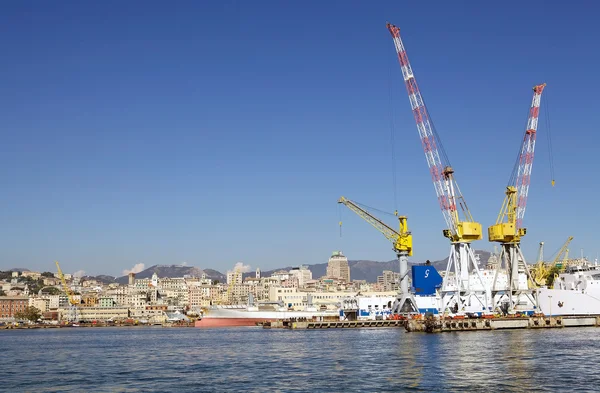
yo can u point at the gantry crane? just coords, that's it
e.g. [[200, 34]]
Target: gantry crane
[[461, 229], [72, 315], [402, 241], [509, 229]]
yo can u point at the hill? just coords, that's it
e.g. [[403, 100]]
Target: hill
[[174, 271]]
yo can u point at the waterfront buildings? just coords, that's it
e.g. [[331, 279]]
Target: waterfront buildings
[[10, 305], [153, 298]]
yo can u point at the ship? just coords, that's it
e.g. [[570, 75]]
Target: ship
[[252, 315], [576, 292]]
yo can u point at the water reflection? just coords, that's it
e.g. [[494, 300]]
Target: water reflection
[[333, 360]]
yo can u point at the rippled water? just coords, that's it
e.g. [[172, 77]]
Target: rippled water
[[254, 359]]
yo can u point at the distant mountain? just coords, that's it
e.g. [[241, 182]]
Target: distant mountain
[[18, 269], [215, 275], [102, 278], [173, 271], [370, 270]]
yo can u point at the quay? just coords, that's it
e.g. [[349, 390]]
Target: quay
[[436, 325], [287, 324], [440, 325]]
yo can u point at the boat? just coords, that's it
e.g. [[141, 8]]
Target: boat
[[576, 292], [250, 315]]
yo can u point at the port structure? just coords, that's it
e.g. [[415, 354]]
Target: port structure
[[459, 291], [402, 244], [73, 315], [508, 229]]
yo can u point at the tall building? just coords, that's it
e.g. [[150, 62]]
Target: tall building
[[337, 267], [235, 277], [389, 280], [258, 272], [302, 273]]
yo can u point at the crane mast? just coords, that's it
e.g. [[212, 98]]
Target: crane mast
[[402, 240], [461, 229], [508, 229]]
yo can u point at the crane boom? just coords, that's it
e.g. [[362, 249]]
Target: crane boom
[[509, 224], [563, 252], [462, 229], [526, 156], [65, 286], [402, 238]]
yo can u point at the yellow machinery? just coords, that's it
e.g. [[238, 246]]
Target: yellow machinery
[[73, 315], [541, 271], [402, 241]]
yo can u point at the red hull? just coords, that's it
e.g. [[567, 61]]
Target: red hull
[[227, 322]]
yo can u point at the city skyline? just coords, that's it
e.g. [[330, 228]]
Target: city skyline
[[229, 136]]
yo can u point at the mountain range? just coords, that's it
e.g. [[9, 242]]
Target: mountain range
[[359, 270]]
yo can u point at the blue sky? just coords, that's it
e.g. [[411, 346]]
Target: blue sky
[[224, 132]]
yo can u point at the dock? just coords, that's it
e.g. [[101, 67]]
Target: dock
[[285, 324], [436, 325], [441, 325]]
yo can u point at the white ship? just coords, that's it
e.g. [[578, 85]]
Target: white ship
[[576, 292], [250, 315]]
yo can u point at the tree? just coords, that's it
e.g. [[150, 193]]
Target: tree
[[48, 274], [215, 282], [550, 280], [52, 291], [30, 313], [2, 293]]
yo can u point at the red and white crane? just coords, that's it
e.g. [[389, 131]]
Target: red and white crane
[[508, 229], [461, 228]]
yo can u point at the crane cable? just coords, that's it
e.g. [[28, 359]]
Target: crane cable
[[392, 137], [513, 176], [549, 137]]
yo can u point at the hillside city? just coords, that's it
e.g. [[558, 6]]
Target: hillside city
[[45, 297]]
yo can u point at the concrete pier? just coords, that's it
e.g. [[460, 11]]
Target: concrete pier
[[440, 325], [434, 325], [332, 324]]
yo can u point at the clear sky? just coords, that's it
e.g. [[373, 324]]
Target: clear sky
[[220, 132]]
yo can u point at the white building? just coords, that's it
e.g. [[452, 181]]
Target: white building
[[235, 277], [302, 273]]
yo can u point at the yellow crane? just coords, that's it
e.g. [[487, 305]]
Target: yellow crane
[[508, 229], [402, 245], [564, 251], [542, 271], [72, 316]]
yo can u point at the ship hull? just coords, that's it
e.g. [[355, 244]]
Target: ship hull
[[228, 322], [228, 317]]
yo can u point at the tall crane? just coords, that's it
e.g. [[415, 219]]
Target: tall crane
[[461, 228], [509, 229], [72, 316], [402, 241]]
